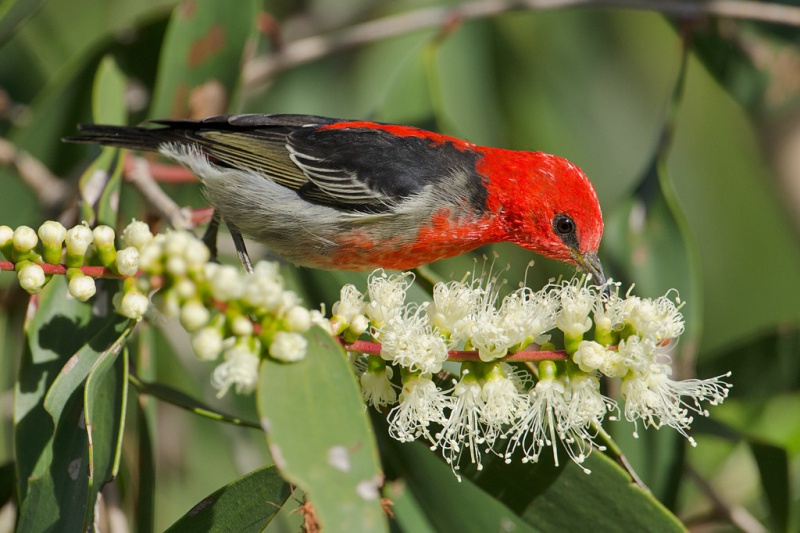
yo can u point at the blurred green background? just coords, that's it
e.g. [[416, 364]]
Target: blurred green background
[[714, 213]]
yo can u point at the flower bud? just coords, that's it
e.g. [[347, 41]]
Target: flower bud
[[103, 240], [241, 326], [77, 241], [185, 289], [196, 253], [52, 235], [6, 241], [137, 234], [82, 287], [194, 316], [207, 343], [175, 265], [25, 240], [226, 284], [127, 261], [133, 305], [31, 277], [288, 347], [150, 259], [298, 319], [167, 303]]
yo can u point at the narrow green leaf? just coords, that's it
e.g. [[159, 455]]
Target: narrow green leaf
[[145, 497], [13, 13], [105, 399], [773, 465], [408, 513], [203, 46], [320, 437], [179, 399], [247, 504], [447, 504]]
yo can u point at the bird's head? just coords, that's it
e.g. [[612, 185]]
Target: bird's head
[[555, 212]]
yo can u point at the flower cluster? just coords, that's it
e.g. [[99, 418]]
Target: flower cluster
[[230, 314], [494, 407], [76, 247]]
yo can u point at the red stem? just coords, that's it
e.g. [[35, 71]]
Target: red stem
[[373, 348], [93, 271]]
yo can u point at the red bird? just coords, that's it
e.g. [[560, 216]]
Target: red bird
[[356, 195]]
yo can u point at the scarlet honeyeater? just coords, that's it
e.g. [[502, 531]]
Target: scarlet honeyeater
[[355, 195]]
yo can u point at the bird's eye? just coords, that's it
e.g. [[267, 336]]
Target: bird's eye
[[563, 225]]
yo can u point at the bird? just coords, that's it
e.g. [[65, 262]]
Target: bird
[[342, 194]]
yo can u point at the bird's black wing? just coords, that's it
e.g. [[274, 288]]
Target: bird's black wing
[[360, 168]]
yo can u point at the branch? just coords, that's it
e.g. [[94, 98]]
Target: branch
[[259, 71], [461, 356], [61, 270], [138, 174], [49, 189]]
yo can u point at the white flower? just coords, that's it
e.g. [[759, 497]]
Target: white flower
[[137, 234], [175, 243], [591, 356], [175, 265], [288, 347], [226, 284], [453, 306], [52, 233], [577, 300], [263, 288], [133, 305], [422, 403], [528, 315], [387, 296], [150, 258], [31, 278], [609, 309], [194, 315], [82, 288], [298, 319], [658, 400], [103, 236], [128, 261], [78, 240], [408, 340], [463, 428], [350, 305], [207, 343], [505, 399], [25, 239], [318, 319], [377, 388], [196, 253], [489, 335], [239, 370]]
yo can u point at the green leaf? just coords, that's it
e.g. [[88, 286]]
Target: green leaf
[[773, 466], [108, 107], [320, 437], [145, 501], [178, 398], [105, 401], [7, 482], [447, 504], [13, 13], [247, 504], [408, 513], [204, 45], [64, 341]]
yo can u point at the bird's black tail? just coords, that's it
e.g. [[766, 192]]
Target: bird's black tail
[[132, 137]]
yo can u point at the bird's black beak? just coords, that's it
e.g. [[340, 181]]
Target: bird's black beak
[[590, 264]]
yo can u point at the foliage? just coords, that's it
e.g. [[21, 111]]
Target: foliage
[[684, 127]]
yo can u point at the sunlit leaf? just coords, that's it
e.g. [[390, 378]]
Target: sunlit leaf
[[320, 437]]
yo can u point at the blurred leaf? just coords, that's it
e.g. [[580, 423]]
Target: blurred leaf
[[320, 437], [201, 57], [7, 482], [13, 13], [761, 366], [64, 340], [408, 513], [447, 504], [247, 504], [105, 402], [178, 398], [100, 182], [773, 466], [145, 500]]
